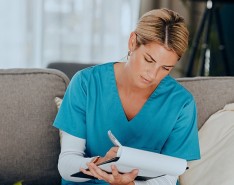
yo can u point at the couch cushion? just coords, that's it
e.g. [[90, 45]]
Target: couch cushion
[[216, 141], [210, 93], [29, 143]]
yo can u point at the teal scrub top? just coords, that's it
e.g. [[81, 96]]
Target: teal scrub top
[[166, 124]]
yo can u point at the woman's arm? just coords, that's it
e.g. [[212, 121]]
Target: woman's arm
[[71, 158]]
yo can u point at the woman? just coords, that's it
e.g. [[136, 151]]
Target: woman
[[137, 100]]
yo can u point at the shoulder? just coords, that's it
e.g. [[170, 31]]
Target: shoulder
[[175, 93], [177, 88]]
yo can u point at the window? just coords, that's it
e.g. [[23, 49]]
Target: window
[[35, 33]]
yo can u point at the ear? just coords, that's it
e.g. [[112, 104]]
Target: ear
[[132, 41]]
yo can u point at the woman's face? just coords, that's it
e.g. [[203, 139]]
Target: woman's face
[[150, 63]]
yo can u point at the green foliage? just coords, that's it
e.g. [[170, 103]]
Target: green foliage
[[18, 183]]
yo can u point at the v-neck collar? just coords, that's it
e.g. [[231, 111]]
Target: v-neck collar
[[119, 102]]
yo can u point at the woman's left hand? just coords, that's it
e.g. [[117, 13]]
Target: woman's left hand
[[115, 178]]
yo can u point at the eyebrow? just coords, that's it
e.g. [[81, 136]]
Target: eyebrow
[[156, 61]]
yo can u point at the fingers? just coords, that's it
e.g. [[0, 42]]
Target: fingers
[[125, 178], [115, 172], [96, 172], [90, 171], [102, 175], [86, 171], [133, 174], [114, 178], [114, 149], [112, 153]]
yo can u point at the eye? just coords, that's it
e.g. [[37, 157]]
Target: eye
[[149, 61]]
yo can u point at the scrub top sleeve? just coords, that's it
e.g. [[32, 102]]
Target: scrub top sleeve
[[71, 115], [183, 140]]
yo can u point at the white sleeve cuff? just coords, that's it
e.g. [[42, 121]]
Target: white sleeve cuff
[[164, 180]]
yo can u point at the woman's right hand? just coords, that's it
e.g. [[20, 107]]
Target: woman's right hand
[[114, 178], [112, 153]]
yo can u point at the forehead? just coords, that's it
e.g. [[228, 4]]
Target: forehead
[[159, 52], [152, 46]]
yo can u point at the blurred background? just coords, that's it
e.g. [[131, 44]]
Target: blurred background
[[36, 33]]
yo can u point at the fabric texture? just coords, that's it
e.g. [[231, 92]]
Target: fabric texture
[[216, 143], [71, 158], [29, 144], [81, 145], [211, 94], [91, 107]]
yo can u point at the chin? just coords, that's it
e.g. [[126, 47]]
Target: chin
[[143, 85]]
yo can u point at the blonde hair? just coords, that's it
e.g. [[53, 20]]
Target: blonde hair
[[165, 27]]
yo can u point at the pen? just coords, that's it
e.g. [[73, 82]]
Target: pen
[[113, 139]]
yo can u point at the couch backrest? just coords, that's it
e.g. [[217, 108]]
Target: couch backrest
[[210, 93], [29, 143], [69, 68]]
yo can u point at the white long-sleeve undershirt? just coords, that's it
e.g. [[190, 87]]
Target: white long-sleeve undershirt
[[72, 158]]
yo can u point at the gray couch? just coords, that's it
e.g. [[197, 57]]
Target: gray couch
[[30, 145]]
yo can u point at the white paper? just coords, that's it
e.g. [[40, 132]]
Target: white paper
[[150, 164]]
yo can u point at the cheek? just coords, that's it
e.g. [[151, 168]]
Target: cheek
[[138, 66]]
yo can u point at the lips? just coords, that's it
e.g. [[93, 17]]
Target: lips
[[146, 80]]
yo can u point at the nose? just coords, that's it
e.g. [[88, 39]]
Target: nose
[[153, 71]]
